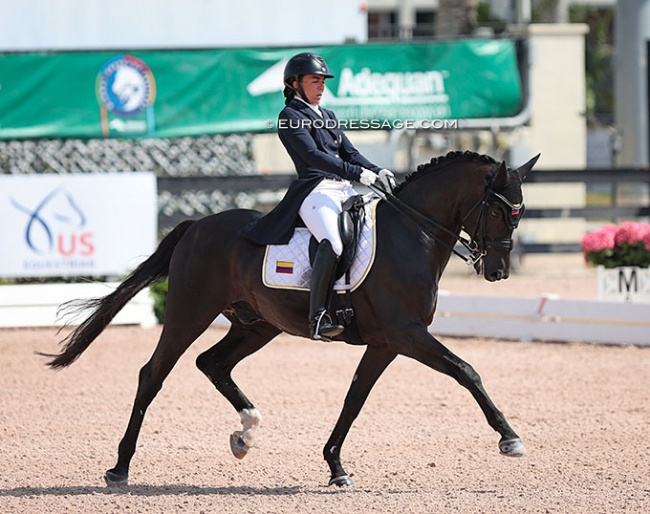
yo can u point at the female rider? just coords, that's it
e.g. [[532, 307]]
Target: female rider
[[326, 163]]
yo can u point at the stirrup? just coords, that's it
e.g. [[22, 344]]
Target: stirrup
[[322, 329]]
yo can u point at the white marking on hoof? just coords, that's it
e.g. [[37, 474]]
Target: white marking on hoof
[[512, 448], [243, 440]]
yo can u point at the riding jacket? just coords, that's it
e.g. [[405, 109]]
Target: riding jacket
[[319, 149]]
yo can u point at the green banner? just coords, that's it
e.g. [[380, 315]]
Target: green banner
[[154, 93]]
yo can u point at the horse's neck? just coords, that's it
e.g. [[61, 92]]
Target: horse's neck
[[443, 196], [438, 196]]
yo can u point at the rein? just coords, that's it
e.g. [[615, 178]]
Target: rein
[[477, 249]]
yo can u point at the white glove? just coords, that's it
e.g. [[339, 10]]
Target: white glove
[[387, 178], [368, 178]]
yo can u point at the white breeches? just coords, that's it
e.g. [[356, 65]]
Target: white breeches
[[320, 211]]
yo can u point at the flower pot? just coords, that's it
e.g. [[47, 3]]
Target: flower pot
[[624, 284]]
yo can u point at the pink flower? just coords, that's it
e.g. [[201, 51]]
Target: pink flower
[[601, 239], [631, 233], [625, 245]]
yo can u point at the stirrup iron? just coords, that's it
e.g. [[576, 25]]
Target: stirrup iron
[[322, 328]]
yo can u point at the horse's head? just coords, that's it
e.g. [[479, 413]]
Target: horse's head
[[492, 220], [468, 191]]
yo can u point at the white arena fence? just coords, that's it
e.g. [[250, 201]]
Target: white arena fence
[[547, 318], [37, 305]]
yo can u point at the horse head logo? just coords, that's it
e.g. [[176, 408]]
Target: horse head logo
[[129, 89], [125, 85], [57, 212]]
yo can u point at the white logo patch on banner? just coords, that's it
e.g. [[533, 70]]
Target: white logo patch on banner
[[287, 266], [76, 224]]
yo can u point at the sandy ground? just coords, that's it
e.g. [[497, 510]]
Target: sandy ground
[[420, 444]]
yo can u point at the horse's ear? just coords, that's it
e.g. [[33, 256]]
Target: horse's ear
[[501, 177], [524, 169]]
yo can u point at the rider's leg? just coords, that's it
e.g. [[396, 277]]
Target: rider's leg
[[322, 280], [320, 213]]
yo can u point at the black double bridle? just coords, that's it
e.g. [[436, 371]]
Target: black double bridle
[[478, 244]]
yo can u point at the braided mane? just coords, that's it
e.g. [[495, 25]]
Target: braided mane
[[437, 162]]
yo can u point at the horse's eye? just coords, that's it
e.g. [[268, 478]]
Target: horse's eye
[[495, 213]]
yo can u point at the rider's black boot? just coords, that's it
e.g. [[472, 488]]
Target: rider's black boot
[[322, 281]]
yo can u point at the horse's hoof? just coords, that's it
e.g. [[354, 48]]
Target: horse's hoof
[[238, 446], [112, 479], [341, 481], [512, 447]]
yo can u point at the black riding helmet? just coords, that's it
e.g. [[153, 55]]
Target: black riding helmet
[[301, 64]]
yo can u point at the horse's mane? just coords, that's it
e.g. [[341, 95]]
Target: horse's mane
[[437, 162]]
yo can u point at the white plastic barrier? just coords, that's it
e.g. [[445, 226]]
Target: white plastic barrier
[[36, 305], [548, 318]]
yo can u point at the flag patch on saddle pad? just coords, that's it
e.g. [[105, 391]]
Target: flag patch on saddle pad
[[287, 266], [283, 267]]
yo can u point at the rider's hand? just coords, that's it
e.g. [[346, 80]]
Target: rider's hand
[[387, 178], [368, 178]]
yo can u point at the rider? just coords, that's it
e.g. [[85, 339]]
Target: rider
[[326, 163]]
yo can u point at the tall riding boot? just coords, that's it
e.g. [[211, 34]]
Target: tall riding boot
[[322, 281]]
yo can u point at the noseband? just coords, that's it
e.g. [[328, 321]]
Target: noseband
[[477, 245]]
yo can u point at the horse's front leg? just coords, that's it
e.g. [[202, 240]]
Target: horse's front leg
[[372, 365], [428, 350]]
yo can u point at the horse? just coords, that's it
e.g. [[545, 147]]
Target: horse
[[212, 269]]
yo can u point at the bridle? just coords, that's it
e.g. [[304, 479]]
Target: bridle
[[478, 244], [512, 214]]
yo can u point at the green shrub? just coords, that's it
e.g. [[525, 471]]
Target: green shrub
[[159, 293]]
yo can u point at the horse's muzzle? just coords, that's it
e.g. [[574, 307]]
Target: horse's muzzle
[[495, 275]]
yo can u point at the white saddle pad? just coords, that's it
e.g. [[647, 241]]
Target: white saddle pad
[[287, 266]]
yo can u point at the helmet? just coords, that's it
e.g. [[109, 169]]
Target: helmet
[[305, 63]]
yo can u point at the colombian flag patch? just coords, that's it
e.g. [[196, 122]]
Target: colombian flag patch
[[283, 267], [516, 209]]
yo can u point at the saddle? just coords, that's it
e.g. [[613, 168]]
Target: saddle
[[351, 221]]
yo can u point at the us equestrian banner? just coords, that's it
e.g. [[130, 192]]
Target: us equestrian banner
[[76, 225], [149, 93]]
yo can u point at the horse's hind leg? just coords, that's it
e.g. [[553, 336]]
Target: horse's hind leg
[[428, 350], [217, 364], [175, 339]]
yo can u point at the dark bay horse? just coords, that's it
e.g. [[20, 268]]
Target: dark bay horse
[[213, 270]]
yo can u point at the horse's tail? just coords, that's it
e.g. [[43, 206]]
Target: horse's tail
[[104, 309]]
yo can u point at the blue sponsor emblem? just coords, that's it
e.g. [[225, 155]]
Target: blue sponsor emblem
[[126, 88]]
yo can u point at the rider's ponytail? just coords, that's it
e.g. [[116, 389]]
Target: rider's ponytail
[[289, 94]]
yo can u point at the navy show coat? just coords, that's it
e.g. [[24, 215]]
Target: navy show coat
[[317, 152]]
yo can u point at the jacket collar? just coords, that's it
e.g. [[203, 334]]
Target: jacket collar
[[305, 109]]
